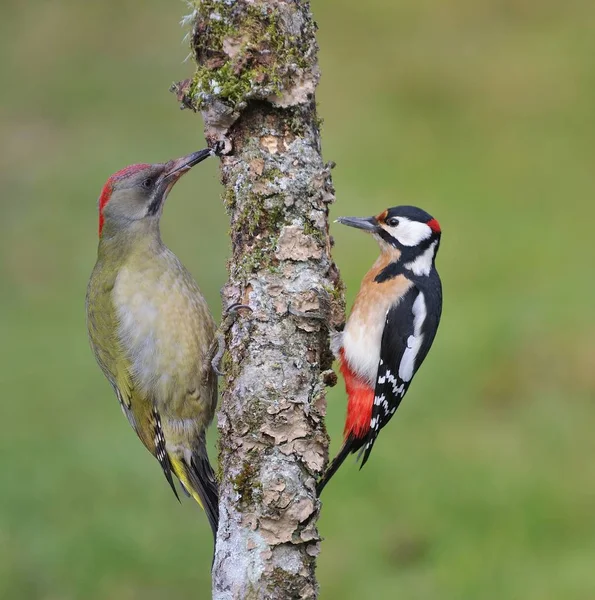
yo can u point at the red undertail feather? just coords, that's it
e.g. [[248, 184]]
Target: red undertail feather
[[361, 400], [357, 424], [106, 192]]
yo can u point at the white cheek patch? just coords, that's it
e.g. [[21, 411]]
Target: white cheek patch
[[407, 365], [410, 233]]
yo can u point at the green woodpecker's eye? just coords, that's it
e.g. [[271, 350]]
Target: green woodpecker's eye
[[147, 183], [392, 222]]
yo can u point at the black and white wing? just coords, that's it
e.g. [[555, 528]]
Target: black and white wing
[[408, 334]]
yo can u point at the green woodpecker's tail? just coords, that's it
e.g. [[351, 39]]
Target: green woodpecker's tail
[[200, 482]]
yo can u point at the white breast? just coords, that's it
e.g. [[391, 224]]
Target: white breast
[[361, 343], [364, 328]]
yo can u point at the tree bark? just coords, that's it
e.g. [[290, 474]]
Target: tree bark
[[254, 85]]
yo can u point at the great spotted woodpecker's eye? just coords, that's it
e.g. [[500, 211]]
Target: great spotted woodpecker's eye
[[147, 183], [392, 222]]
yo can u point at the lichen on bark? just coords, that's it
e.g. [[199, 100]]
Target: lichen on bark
[[254, 85]]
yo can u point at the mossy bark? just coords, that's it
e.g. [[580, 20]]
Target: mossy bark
[[255, 81]]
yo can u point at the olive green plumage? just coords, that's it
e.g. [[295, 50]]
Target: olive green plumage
[[150, 329]]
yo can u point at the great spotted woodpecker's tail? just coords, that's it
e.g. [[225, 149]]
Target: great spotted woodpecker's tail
[[199, 481], [357, 423], [350, 445]]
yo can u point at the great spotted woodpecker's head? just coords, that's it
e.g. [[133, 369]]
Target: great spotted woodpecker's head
[[408, 229], [137, 193]]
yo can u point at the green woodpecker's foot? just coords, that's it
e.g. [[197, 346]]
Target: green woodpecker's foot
[[217, 350]]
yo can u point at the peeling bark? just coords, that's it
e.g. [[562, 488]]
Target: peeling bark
[[256, 75]]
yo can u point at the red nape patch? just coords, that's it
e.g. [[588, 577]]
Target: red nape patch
[[361, 400], [106, 192], [434, 226]]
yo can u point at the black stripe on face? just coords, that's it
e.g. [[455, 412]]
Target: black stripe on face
[[161, 191], [155, 204], [387, 237]]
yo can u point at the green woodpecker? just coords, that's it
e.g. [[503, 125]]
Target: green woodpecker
[[151, 330]]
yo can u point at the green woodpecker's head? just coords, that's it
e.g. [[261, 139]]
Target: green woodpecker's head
[[139, 191]]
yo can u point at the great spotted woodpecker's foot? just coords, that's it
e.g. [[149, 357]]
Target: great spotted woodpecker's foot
[[215, 354]]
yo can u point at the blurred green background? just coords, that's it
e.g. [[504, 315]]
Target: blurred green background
[[480, 112]]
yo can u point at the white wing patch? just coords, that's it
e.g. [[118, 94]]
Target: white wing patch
[[407, 365]]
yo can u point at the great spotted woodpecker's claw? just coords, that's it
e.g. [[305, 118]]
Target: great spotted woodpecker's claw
[[215, 354]]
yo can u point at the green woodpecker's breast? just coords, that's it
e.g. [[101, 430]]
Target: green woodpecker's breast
[[164, 324]]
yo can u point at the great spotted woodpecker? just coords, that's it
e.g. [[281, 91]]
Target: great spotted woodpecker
[[391, 327]]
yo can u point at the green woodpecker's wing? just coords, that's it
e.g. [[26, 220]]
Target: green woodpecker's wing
[[140, 411]]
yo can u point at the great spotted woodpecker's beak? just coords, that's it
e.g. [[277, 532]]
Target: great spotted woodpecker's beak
[[176, 168], [366, 223]]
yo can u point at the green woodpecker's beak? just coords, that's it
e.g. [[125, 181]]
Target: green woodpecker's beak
[[366, 223], [176, 168]]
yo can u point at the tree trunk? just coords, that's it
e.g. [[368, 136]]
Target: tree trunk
[[255, 82]]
